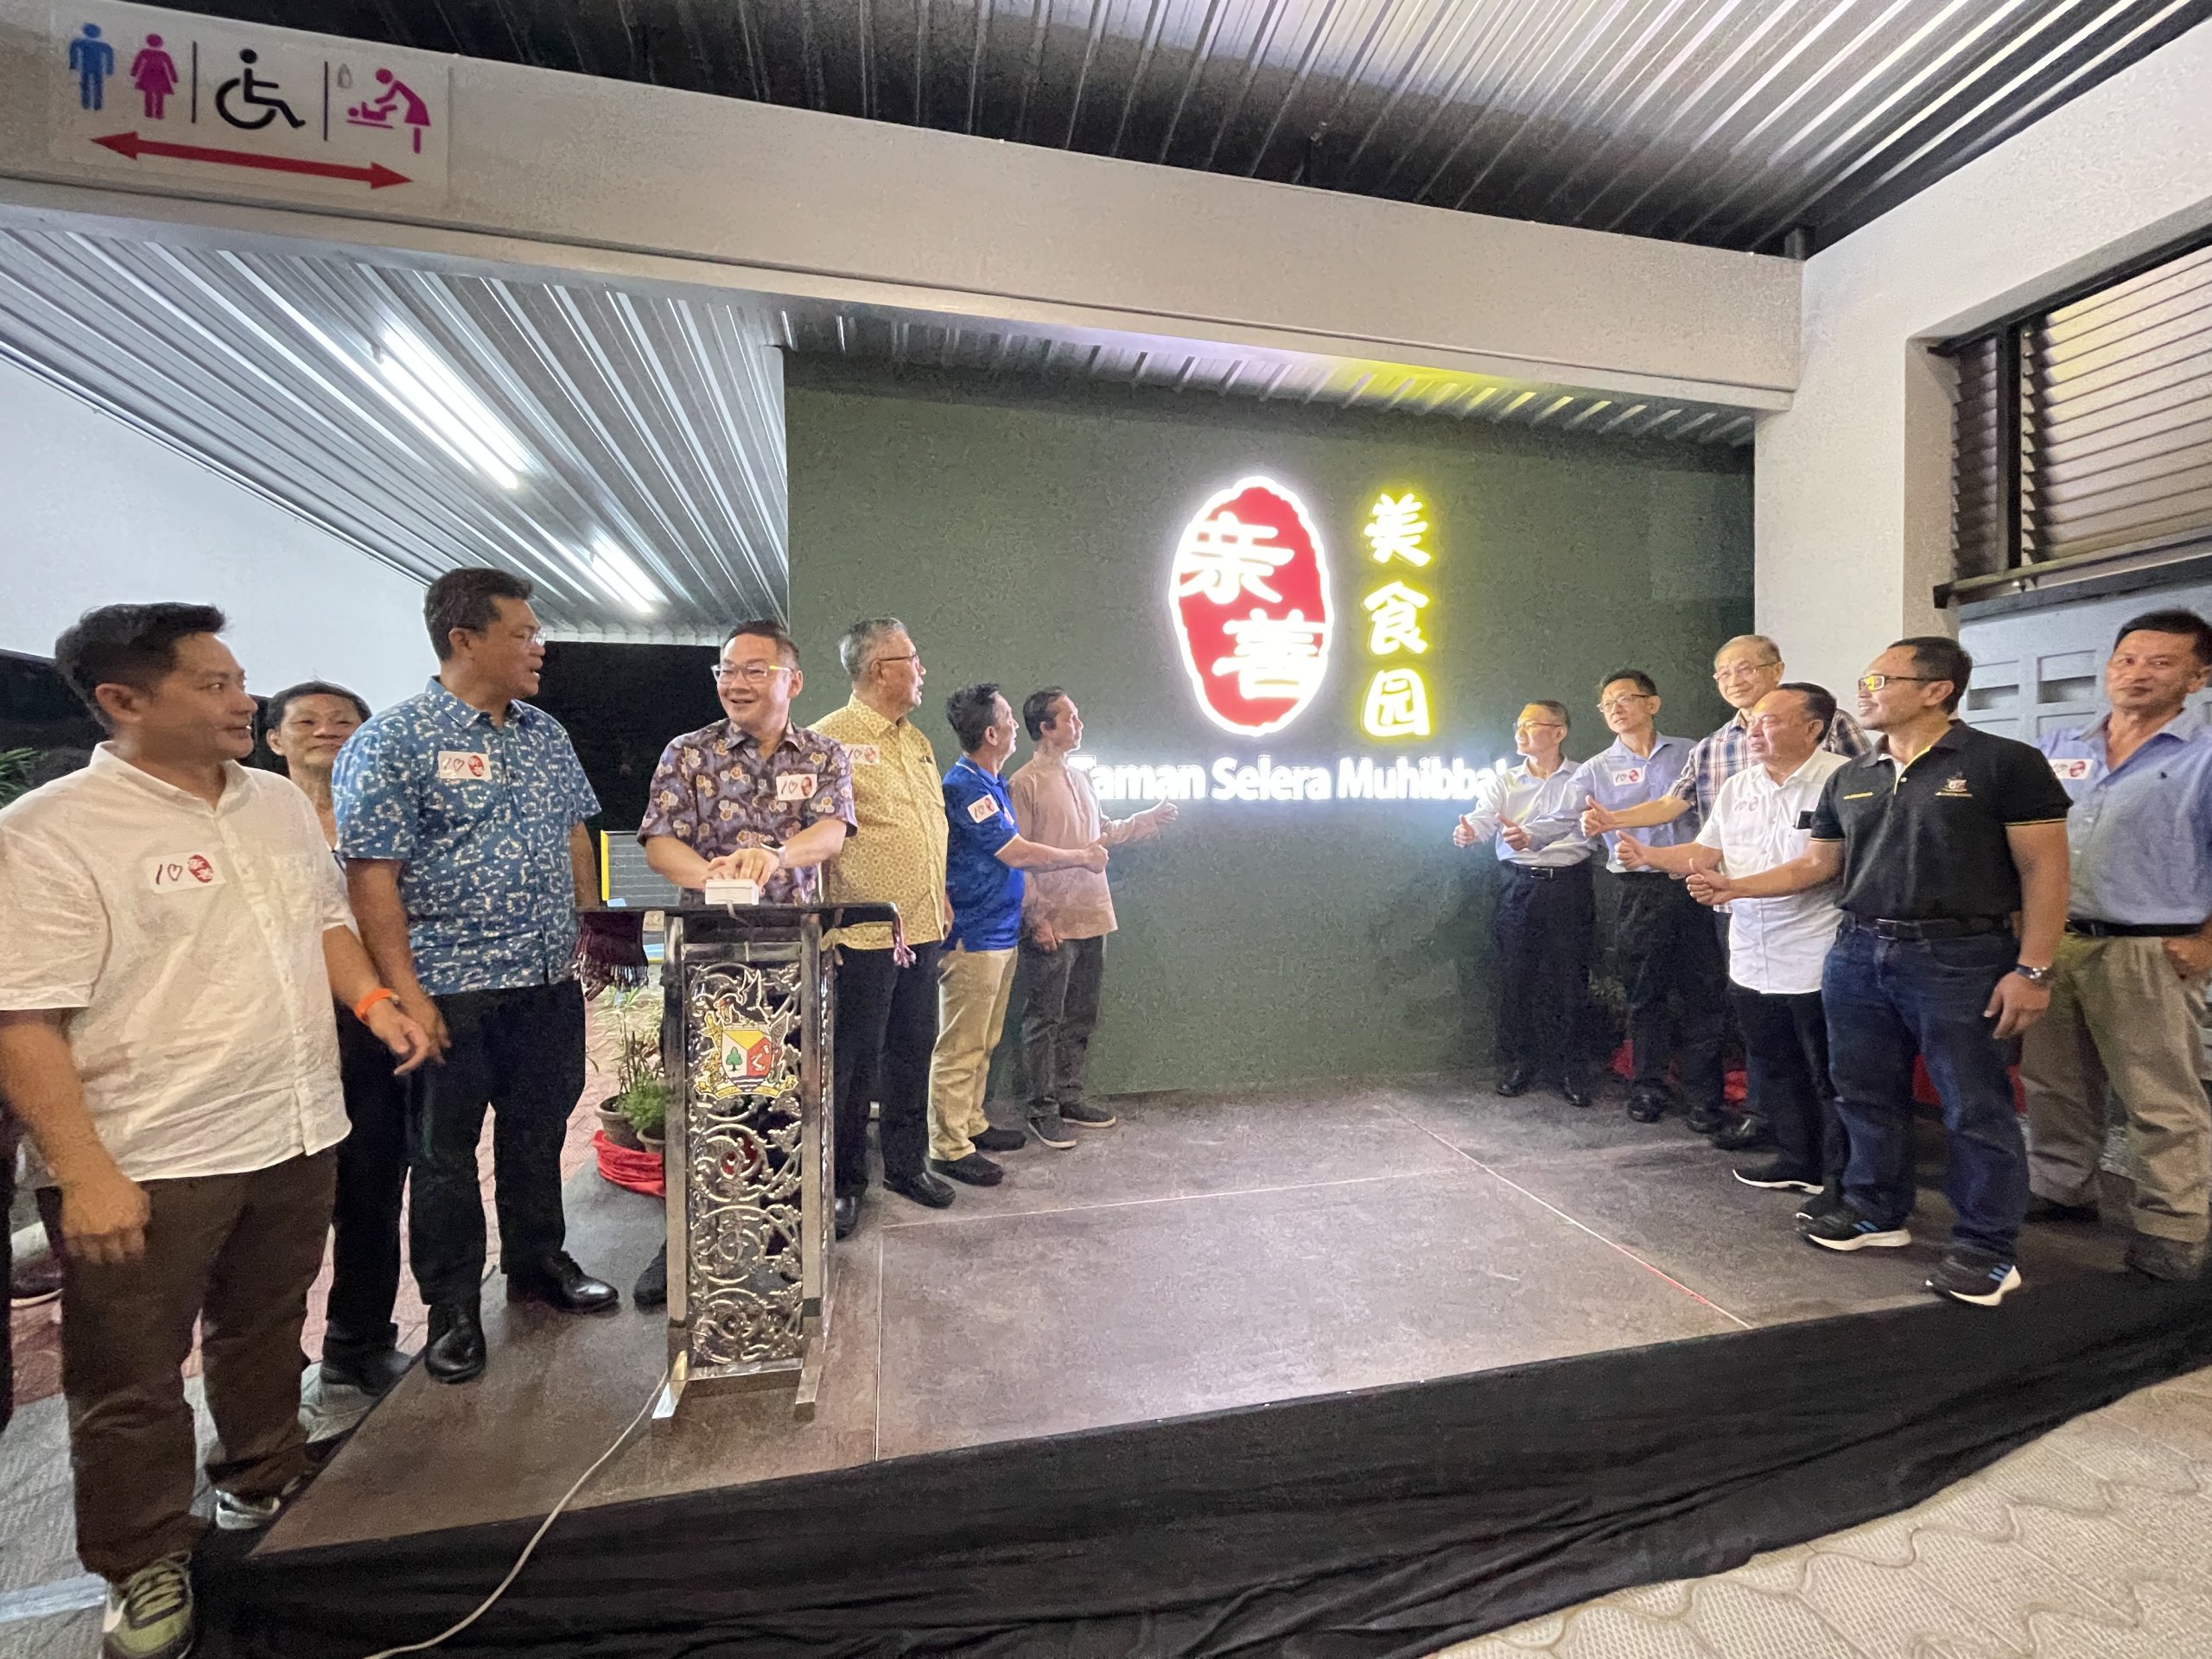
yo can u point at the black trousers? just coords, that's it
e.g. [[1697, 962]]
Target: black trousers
[[521, 1053], [887, 1026], [1786, 1054], [1059, 1013], [372, 1184], [1541, 932], [1677, 984]]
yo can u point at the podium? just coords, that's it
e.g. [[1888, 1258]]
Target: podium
[[747, 1043]]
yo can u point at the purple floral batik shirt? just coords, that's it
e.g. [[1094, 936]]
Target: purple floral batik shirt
[[716, 792]]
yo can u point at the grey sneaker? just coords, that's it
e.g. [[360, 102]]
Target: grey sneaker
[[1975, 1276], [1087, 1117], [236, 1513], [150, 1614], [1052, 1130], [2165, 1258]]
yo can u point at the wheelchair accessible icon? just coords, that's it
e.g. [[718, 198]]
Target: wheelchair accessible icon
[[249, 89]]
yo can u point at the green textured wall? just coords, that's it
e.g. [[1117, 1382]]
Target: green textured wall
[[1026, 540]]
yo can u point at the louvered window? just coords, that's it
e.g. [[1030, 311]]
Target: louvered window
[[2084, 432]]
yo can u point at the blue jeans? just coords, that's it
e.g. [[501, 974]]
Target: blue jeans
[[1887, 1000]]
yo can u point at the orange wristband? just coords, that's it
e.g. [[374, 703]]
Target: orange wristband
[[382, 994]]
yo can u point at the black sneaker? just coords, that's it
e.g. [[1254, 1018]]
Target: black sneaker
[[1820, 1203], [1084, 1116], [651, 1289], [1048, 1128], [1749, 1132], [1707, 1120], [1776, 1177], [1647, 1107], [1844, 1228], [998, 1139], [974, 1169], [1975, 1276]]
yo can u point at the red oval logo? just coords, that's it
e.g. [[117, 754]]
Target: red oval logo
[[1249, 590]]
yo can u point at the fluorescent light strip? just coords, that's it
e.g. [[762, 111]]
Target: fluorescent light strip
[[457, 417], [619, 567]]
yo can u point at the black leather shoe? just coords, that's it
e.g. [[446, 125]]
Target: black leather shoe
[[1514, 1080], [922, 1188], [1574, 1089], [557, 1281], [847, 1213], [371, 1371], [1647, 1108], [652, 1288], [974, 1169], [998, 1139], [455, 1352], [1705, 1120], [1746, 1134]]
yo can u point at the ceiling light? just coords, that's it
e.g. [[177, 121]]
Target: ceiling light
[[438, 402], [618, 570]]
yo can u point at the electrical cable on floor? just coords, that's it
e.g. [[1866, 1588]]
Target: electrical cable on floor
[[537, 1537]]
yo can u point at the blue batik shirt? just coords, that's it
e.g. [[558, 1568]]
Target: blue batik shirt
[[2139, 837], [986, 894], [478, 817]]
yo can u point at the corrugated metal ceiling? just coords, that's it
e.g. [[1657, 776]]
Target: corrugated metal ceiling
[[1723, 122], [624, 451]]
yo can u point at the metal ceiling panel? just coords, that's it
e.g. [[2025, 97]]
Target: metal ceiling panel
[[625, 451], [1722, 121]]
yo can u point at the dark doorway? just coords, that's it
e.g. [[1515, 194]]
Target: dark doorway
[[621, 704]]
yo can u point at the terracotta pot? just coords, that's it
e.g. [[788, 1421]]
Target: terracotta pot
[[617, 1125]]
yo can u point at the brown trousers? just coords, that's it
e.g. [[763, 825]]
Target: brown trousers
[[2121, 1015], [236, 1253]]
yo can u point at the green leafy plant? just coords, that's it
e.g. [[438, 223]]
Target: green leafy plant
[[16, 773], [641, 1089]]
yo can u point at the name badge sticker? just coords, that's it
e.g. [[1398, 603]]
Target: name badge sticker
[[2070, 771], [463, 767], [796, 786], [982, 808], [1629, 776], [182, 873], [864, 754]]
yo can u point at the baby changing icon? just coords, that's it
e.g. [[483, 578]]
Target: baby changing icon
[[395, 107]]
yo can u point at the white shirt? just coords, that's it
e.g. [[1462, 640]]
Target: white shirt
[[189, 939], [1522, 796], [1776, 946]]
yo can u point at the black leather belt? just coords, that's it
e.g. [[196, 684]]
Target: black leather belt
[[2091, 930], [1937, 928], [1645, 875], [1546, 872]]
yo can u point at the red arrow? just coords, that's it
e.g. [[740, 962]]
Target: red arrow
[[376, 175]]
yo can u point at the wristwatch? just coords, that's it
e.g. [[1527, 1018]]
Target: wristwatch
[[2033, 975]]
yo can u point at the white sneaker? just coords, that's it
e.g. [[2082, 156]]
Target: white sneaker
[[236, 1513]]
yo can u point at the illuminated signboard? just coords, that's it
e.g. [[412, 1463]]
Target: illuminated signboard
[[1250, 591]]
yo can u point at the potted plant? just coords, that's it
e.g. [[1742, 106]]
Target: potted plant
[[635, 1113]]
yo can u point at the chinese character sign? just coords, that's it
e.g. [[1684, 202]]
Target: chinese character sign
[[1397, 697], [1250, 593]]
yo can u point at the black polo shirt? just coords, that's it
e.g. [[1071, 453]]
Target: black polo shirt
[[1928, 843]]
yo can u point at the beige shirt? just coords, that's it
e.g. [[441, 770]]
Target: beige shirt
[[896, 855], [188, 940], [1055, 806]]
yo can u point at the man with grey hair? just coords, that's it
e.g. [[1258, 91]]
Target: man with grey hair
[[886, 982]]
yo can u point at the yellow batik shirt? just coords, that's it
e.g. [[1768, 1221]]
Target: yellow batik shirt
[[896, 855]]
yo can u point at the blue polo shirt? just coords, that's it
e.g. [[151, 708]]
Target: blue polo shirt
[[2141, 836], [478, 817], [986, 895]]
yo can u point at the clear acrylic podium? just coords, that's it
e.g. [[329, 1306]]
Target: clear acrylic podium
[[747, 1043]]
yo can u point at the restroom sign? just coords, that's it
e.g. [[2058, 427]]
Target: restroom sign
[[233, 110]]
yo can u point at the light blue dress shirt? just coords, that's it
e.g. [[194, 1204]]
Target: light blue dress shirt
[[1618, 778], [2141, 836]]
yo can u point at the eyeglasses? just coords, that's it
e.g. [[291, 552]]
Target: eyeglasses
[[911, 657], [1538, 726], [1741, 671], [1876, 681], [1620, 705], [750, 673]]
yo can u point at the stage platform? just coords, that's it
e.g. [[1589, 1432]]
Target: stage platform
[[1372, 1367]]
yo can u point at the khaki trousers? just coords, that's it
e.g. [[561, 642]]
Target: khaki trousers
[[2121, 1015], [236, 1254], [972, 989]]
